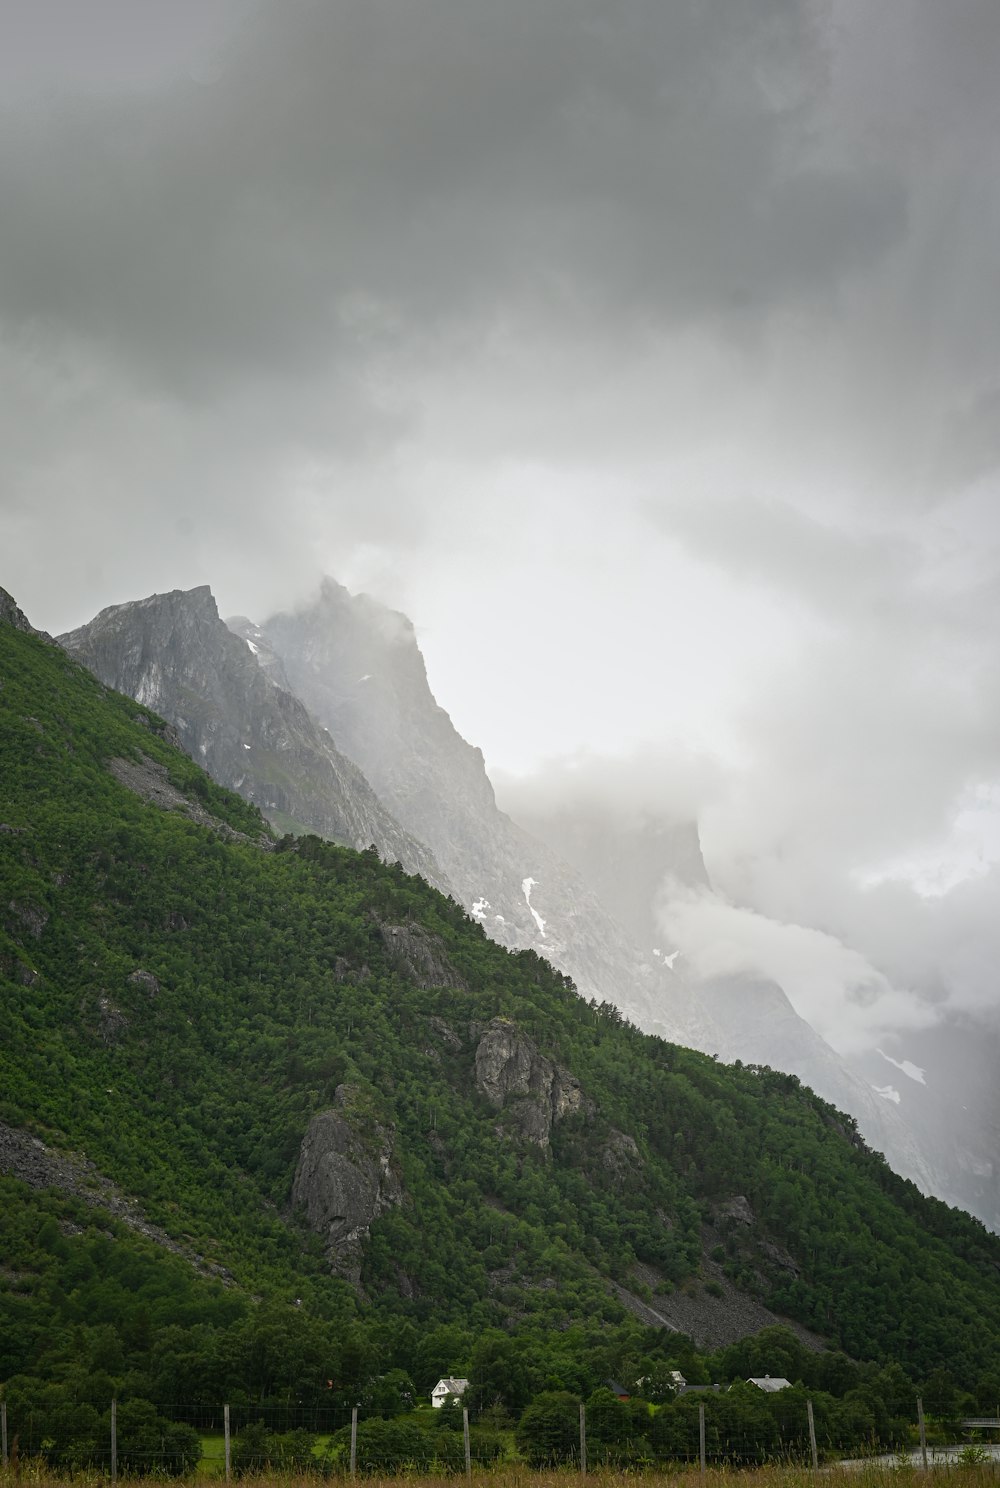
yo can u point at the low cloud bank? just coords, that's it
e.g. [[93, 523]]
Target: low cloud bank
[[834, 987]]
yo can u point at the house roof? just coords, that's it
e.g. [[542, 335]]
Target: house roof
[[769, 1384], [451, 1385]]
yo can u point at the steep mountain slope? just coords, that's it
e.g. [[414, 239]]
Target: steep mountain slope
[[358, 668], [223, 1029], [580, 886], [943, 1082], [171, 652]]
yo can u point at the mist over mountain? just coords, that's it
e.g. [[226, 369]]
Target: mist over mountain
[[583, 886], [357, 667], [618, 824]]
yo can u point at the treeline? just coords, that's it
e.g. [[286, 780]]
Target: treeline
[[303, 1422]]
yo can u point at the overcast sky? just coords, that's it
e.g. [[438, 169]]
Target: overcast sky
[[646, 354]]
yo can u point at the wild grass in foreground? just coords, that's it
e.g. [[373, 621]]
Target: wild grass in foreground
[[881, 1475]]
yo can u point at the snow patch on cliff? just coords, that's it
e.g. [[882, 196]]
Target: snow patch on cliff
[[913, 1070], [527, 884]]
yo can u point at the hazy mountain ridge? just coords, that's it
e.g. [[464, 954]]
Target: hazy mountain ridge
[[173, 653]]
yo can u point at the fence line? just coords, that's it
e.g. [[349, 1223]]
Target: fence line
[[132, 1440]]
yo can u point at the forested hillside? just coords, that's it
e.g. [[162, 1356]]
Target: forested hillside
[[183, 998]]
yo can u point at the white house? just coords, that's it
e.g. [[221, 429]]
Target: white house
[[769, 1385], [448, 1388]]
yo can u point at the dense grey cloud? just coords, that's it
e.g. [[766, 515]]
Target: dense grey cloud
[[646, 354], [361, 175]]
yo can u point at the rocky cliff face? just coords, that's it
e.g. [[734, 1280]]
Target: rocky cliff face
[[942, 1081], [624, 858], [345, 1179], [358, 668], [173, 653], [418, 957], [516, 1078]]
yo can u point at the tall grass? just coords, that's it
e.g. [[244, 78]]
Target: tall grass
[[32, 1474]]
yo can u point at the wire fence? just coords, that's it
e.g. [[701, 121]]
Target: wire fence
[[714, 1429]]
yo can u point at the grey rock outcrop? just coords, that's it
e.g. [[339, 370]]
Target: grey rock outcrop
[[150, 781], [515, 1077], [145, 981], [345, 1178], [419, 956], [620, 1158], [173, 653]]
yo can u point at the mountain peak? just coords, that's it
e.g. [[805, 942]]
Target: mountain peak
[[227, 698], [12, 614]]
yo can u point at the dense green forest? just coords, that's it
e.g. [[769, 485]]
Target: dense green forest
[[181, 996]]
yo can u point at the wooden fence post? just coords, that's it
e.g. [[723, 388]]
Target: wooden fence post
[[812, 1434], [701, 1435], [114, 1441], [468, 1447], [923, 1431], [225, 1433], [354, 1440], [3, 1430], [583, 1439]]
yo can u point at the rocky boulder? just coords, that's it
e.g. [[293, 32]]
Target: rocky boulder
[[345, 1178], [620, 1158], [419, 957], [515, 1077]]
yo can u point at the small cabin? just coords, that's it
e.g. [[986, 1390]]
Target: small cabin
[[448, 1388]]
